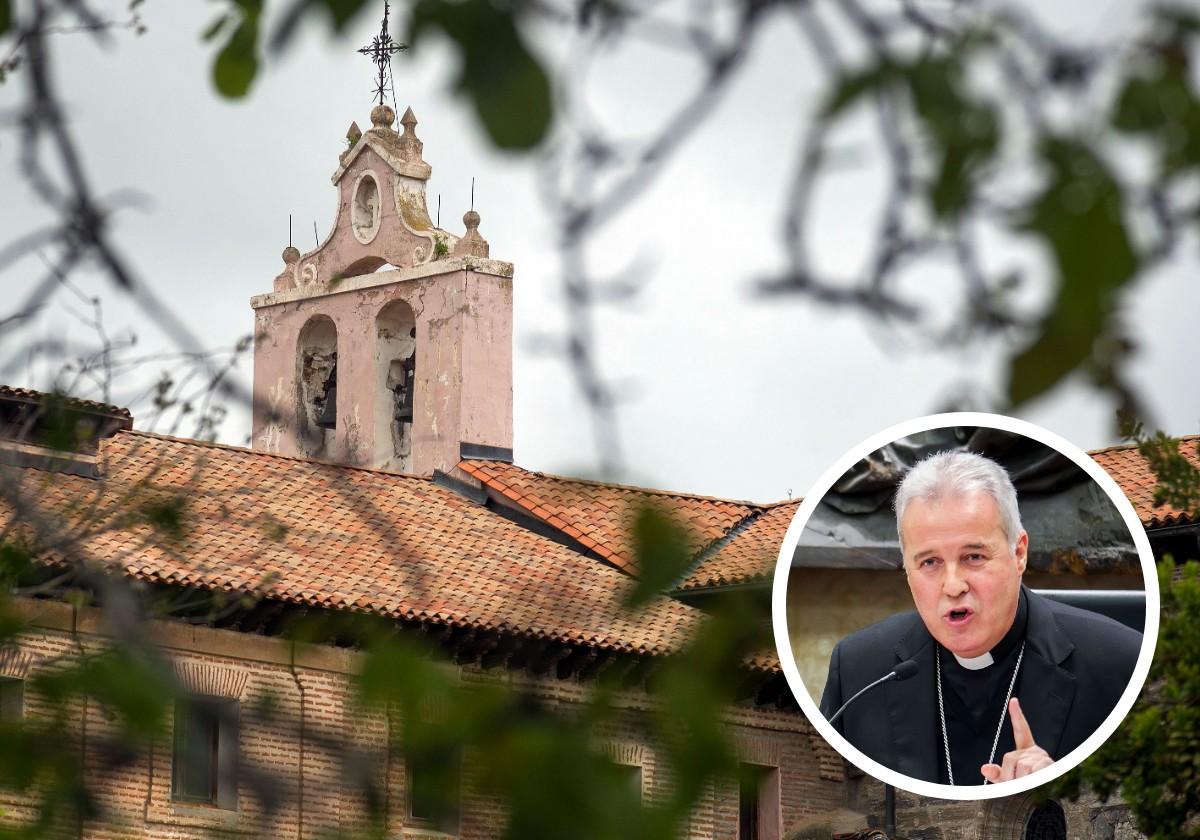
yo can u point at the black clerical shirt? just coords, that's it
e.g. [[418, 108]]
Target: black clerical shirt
[[974, 701]]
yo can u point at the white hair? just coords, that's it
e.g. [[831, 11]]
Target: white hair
[[957, 474]]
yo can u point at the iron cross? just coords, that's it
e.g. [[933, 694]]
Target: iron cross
[[380, 50]]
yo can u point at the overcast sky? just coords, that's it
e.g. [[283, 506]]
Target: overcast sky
[[729, 394]]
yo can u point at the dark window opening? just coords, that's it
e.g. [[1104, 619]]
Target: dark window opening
[[1046, 822], [325, 403], [401, 379], [758, 803], [632, 775], [433, 780], [205, 752], [12, 699], [750, 784]]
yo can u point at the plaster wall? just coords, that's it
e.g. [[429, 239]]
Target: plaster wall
[[389, 226], [462, 308]]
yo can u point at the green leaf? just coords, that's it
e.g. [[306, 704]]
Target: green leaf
[[166, 516], [498, 72], [137, 690], [962, 133], [340, 12], [854, 86], [5, 16], [663, 554], [214, 28], [236, 64], [1078, 216], [1159, 104]]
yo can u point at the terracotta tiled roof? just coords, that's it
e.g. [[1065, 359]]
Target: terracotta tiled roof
[[87, 405], [597, 515], [747, 554], [1133, 475], [319, 534]]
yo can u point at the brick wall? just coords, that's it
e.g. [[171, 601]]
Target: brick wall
[[308, 688]]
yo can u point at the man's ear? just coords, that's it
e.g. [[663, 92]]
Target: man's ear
[[1022, 552]]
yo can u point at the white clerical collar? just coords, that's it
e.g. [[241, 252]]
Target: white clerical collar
[[975, 663]]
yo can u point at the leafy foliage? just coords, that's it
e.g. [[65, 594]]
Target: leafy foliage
[[1153, 759], [1178, 479], [1078, 215], [236, 63], [962, 130], [500, 75], [661, 544]]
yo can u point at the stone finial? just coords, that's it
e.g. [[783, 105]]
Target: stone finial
[[471, 244], [382, 117], [410, 145], [291, 255], [353, 134]]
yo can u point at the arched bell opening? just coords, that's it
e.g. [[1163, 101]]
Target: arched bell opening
[[316, 385], [367, 265], [395, 383]]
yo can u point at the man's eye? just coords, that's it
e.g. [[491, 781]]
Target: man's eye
[[976, 558], [928, 562]]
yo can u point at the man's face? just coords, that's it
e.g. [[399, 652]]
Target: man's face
[[964, 576]]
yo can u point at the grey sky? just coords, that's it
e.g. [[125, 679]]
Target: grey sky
[[729, 394]]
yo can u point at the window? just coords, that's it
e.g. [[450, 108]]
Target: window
[[204, 767], [759, 816], [12, 699], [433, 789], [633, 779]]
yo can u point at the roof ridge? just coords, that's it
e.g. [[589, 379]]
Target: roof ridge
[[1122, 446], [229, 447], [799, 500], [715, 546], [629, 487], [78, 402]]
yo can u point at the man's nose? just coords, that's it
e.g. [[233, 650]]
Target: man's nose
[[954, 584]]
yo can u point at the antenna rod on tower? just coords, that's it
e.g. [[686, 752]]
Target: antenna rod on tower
[[472, 193], [315, 234], [289, 230], [439, 216]]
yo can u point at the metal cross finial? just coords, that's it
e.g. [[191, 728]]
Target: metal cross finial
[[380, 50]]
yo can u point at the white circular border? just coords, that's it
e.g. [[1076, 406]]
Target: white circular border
[[783, 569]]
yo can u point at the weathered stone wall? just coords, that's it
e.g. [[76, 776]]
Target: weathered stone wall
[[923, 818]]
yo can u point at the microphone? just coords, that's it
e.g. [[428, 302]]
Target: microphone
[[905, 670]]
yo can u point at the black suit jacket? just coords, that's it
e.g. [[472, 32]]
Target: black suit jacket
[[1077, 664]]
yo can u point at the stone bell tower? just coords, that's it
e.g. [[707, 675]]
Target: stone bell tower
[[391, 343]]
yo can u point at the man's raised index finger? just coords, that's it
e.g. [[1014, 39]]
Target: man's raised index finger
[[1022, 735]]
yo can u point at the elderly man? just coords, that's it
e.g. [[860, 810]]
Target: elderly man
[[1006, 682]]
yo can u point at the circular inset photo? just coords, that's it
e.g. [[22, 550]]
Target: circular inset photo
[[965, 606]]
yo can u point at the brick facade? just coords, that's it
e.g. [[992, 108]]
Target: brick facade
[[314, 684]]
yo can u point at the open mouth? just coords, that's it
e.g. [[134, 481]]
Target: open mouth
[[959, 615]]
